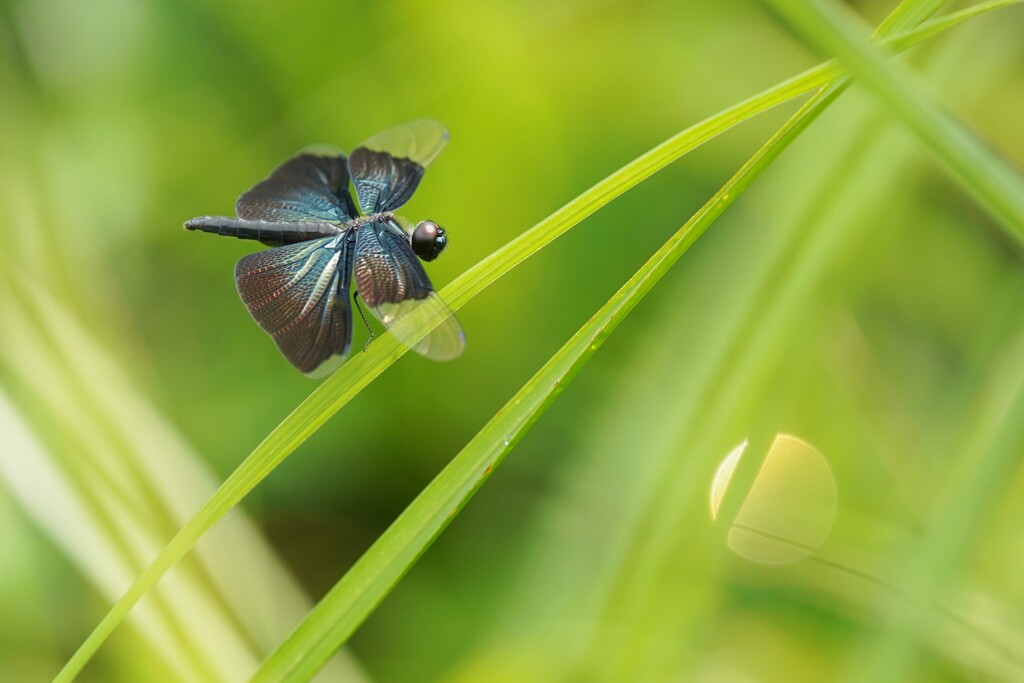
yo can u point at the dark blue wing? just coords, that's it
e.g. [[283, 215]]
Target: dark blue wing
[[313, 185], [391, 280], [387, 168], [299, 294]]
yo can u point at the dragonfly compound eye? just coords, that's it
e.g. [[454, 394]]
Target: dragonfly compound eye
[[428, 240]]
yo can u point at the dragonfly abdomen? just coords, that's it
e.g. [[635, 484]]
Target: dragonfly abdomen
[[271, 233]]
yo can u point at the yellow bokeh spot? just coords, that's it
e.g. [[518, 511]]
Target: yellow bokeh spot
[[789, 509]]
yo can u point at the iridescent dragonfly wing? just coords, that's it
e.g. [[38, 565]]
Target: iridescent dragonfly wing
[[391, 280], [387, 168], [312, 185], [299, 294]]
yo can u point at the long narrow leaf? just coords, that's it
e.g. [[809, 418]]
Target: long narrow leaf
[[361, 370], [996, 186]]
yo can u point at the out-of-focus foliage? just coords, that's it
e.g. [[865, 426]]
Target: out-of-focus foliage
[[890, 338]]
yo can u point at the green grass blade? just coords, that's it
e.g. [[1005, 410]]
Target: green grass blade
[[906, 15], [336, 391], [341, 611], [996, 186]]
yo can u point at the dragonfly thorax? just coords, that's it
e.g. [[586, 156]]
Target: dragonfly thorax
[[427, 239], [382, 217]]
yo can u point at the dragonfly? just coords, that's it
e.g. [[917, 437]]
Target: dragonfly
[[328, 250]]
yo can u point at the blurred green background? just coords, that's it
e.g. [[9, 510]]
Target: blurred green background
[[855, 297]]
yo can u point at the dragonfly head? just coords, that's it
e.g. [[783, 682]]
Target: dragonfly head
[[428, 240]]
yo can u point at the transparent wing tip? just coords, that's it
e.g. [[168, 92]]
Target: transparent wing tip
[[445, 343], [321, 150], [407, 320], [420, 140]]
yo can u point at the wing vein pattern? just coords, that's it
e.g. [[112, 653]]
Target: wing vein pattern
[[299, 294]]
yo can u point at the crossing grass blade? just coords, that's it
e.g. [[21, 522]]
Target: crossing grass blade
[[993, 183], [336, 391]]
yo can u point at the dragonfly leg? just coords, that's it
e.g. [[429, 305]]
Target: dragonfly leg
[[362, 315]]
